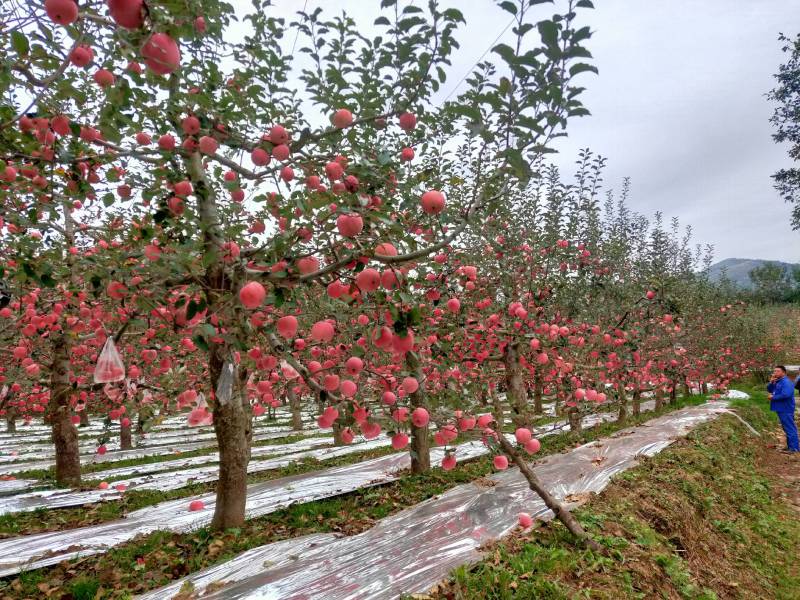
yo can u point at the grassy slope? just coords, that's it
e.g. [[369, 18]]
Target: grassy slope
[[710, 517], [154, 560]]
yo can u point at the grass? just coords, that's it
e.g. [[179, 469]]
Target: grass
[[706, 518], [156, 559]]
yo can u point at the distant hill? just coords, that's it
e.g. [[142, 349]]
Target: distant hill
[[738, 269]]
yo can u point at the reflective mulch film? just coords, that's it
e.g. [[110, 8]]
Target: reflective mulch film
[[90, 457], [412, 551], [171, 480], [250, 563], [15, 486], [38, 550]]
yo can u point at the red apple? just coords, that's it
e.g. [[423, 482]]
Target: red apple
[[161, 54]]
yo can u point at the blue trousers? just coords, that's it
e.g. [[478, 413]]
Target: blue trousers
[[790, 429]]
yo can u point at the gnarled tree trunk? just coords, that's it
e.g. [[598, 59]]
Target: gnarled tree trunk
[[636, 403], [65, 435], [125, 438], [84, 415], [515, 385], [294, 404], [233, 427], [11, 414], [574, 418], [659, 393], [420, 438], [538, 389], [338, 430], [232, 416], [497, 412], [141, 418], [483, 396], [623, 403]]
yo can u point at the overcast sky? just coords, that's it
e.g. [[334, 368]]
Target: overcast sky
[[678, 106]]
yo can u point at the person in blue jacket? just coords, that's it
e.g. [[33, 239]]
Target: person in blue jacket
[[781, 401]]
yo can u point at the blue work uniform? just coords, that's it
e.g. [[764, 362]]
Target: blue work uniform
[[783, 403]]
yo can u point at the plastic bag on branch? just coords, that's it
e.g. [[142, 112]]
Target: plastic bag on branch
[[224, 391], [200, 415], [110, 367]]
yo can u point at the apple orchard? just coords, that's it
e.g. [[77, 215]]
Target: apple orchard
[[194, 221]]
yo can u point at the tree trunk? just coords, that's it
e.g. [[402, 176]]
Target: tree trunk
[[574, 417], [483, 396], [497, 411], [623, 403], [673, 393], [65, 435], [233, 415], [636, 404], [84, 414], [659, 398], [11, 419], [537, 393], [233, 427], [338, 430], [125, 439], [515, 385], [561, 513], [420, 440], [140, 420], [294, 404], [687, 390], [556, 403], [704, 388]]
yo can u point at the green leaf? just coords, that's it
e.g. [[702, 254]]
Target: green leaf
[[191, 310], [581, 68], [201, 342], [472, 112], [453, 14], [549, 32], [519, 165], [506, 52], [509, 7], [29, 271], [20, 43]]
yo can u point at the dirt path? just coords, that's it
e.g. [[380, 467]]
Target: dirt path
[[783, 469]]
